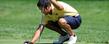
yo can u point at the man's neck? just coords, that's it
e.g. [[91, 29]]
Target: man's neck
[[50, 12]]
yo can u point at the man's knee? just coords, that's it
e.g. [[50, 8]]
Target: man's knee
[[62, 21]]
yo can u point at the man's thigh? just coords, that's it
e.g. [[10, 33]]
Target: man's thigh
[[74, 22], [52, 25]]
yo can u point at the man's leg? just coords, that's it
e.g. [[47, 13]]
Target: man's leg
[[63, 35], [64, 24], [55, 27]]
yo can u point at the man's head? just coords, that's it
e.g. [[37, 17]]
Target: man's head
[[44, 6]]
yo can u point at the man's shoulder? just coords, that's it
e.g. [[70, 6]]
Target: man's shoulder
[[64, 4], [61, 2]]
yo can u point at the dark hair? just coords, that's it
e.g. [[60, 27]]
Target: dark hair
[[43, 3]]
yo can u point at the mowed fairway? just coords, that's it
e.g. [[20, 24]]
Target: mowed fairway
[[18, 20]]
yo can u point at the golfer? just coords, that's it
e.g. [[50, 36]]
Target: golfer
[[59, 17]]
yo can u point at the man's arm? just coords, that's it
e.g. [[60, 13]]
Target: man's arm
[[57, 5], [37, 33]]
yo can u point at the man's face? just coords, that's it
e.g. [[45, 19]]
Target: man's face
[[45, 10]]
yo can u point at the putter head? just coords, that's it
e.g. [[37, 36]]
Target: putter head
[[28, 42]]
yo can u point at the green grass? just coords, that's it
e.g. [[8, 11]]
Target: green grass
[[18, 20]]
